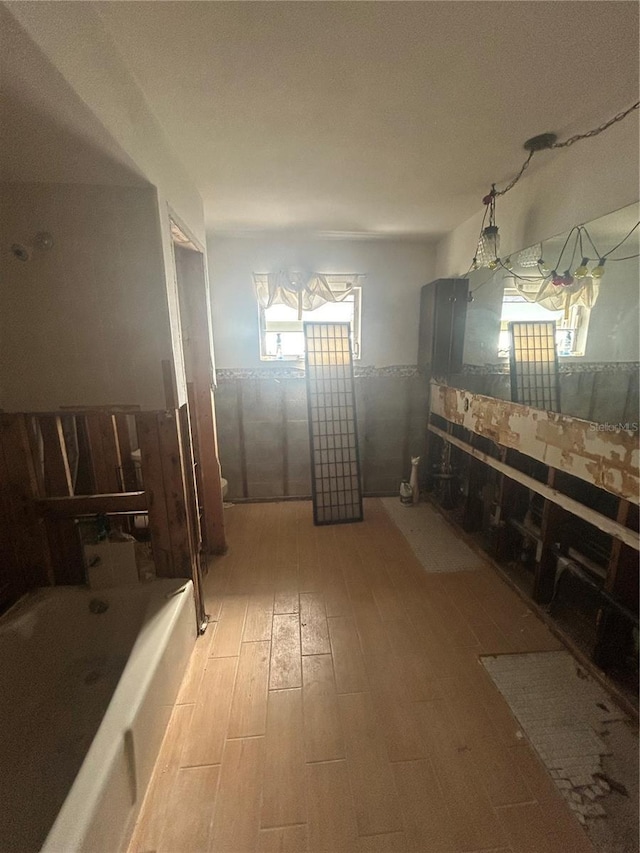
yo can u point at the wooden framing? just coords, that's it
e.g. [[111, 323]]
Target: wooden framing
[[39, 540], [105, 459], [57, 475], [164, 487], [545, 572], [24, 540], [193, 508], [129, 477], [602, 522], [616, 548], [603, 455], [76, 506], [604, 459], [169, 385], [196, 335], [67, 559]]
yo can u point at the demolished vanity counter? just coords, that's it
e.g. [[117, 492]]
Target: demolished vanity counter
[[602, 454]]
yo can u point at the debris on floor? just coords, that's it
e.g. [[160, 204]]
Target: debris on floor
[[569, 719]]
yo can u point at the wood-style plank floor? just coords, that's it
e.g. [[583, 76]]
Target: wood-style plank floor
[[336, 703]]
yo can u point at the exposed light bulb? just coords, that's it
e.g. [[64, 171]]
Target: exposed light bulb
[[582, 271], [492, 265], [507, 263], [543, 267], [598, 271]]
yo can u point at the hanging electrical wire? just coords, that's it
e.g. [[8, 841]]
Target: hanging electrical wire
[[487, 252], [548, 141], [549, 272], [617, 246], [512, 183], [596, 130]]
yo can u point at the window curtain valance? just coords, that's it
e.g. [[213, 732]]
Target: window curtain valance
[[299, 290], [558, 297]]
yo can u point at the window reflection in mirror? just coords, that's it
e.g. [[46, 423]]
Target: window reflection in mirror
[[597, 339]]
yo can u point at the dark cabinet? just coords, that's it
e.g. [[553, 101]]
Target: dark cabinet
[[443, 314]]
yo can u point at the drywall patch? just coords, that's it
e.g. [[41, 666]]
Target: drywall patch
[[576, 730]]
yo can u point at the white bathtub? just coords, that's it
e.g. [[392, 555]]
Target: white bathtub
[[85, 698]]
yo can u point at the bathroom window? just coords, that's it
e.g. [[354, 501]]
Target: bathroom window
[[571, 331], [281, 335]]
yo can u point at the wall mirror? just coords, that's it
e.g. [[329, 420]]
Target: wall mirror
[[596, 316]]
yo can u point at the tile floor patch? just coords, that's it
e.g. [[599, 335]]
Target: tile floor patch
[[432, 539], [565, 715]]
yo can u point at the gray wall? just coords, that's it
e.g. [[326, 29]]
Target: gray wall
[[604, 393], [261, 407], [264, 439]]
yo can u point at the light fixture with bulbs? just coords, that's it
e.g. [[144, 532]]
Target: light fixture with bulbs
[[488, 250], [488, 247]]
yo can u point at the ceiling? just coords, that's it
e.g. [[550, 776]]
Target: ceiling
[[383, 117], [47, 134], [367, 118]]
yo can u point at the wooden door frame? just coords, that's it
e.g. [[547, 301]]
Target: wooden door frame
[[195, 314]]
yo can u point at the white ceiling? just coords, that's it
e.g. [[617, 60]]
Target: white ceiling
[[381, 118], [47, 134], [606, 232]]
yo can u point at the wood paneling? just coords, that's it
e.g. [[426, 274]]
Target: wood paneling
[[198, 351], [24, 542], [165, 482], [128, 503], [104, 452], [57, 475], [65, 548]]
